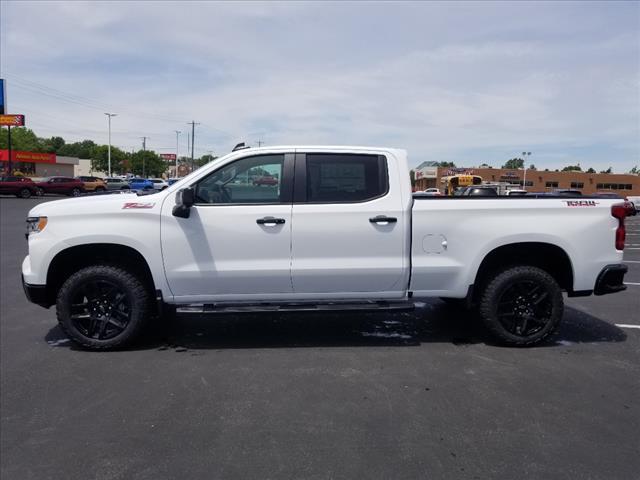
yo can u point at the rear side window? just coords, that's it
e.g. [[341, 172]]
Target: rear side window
[[338, 178]]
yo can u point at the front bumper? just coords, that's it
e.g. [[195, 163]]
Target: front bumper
[[36, 294], [611, 280]]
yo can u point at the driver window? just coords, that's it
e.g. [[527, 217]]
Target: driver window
[[249, 180]]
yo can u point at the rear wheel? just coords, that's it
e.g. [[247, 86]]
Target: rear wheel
[[75, 192], [103, 307], [521, 306], [24, 193]]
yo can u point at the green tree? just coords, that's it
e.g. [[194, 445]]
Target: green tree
[[53, 144], [100, 159], [608, 170], [83, 149], [635, 170], [591, 170], [572, 168], [147, 163], [412, 176], [532, 167], [445, 164], [203, 160], [514, 163], [21, 139]]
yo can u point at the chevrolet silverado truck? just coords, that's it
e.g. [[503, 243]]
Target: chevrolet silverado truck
[[339, 230]]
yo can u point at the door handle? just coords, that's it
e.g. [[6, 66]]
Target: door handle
[[269, 221], [383, 219]]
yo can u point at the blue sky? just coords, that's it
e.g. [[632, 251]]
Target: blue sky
[[465, 82]]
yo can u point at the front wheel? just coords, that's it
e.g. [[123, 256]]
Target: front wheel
[[75, 192], [521, 306], [24, 193], [102, 307]]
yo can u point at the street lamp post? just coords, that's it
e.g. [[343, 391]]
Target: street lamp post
[[178, 132], [524, 158], [109, 115]]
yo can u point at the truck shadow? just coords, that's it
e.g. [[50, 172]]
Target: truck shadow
[[434, 322]]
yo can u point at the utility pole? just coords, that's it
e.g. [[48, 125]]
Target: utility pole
[[178, 132], [524, 158], [193, 133], [109, 115], [260, 142], [144, 149]]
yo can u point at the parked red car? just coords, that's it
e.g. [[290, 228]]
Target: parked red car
[[266, 180], [61, 185], [22, 187]]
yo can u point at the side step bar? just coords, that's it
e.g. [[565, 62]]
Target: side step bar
[[362, 306]]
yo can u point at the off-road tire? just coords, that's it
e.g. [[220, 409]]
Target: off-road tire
[[138, 296], [504, 282]]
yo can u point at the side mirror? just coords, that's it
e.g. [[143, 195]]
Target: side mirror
[[185, 198]]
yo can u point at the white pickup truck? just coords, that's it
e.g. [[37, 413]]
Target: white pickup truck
[[316, 228]]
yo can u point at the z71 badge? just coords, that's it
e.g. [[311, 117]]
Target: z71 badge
[[130, 205], [581, 203]]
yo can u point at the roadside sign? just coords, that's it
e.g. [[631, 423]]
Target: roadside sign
[[12, 120], [170, 157]]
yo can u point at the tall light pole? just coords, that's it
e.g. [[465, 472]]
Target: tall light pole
[[109, 115], [178, 132], [524, 158]]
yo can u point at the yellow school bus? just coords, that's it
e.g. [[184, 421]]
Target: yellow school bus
[[453, 182]]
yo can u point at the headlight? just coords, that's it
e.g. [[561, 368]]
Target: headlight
[[36, 224]]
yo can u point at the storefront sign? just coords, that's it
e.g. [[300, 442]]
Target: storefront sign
[[31, 157]]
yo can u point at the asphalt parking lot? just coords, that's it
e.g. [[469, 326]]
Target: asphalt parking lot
[[419, 395]]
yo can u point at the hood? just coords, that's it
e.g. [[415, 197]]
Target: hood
[[96, 204]]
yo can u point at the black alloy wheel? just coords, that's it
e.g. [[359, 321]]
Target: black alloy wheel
[[25, 193], [75, 192], [524, 308], [100, 309], [521, 306], [103, 307]]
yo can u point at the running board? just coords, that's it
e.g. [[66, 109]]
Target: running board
[[226, 307]]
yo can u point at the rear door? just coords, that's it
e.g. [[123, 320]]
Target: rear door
[[348, 227]]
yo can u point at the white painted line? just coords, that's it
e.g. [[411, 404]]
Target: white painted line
[[624, 325], [631, 283], [630, 261]]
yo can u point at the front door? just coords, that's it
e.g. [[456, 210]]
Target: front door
[[237, 241], [349, 229]]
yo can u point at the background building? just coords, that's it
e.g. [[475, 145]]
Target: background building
[[537, 180]]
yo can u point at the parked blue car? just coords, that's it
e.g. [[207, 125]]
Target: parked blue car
[[140, 184]]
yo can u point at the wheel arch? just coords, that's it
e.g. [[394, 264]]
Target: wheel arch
[[546, 256], [70, 260]]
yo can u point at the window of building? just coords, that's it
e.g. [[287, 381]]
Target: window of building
[[335, 178], [247, 181], [577, 185], [551, 185]]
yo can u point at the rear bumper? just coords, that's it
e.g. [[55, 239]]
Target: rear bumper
[[36, 294], [611, 280]]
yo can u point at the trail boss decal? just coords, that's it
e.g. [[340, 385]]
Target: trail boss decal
[[130, 205], [581, 203]]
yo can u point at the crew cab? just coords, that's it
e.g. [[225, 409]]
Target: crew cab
[[341, 230], [21, 187]]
